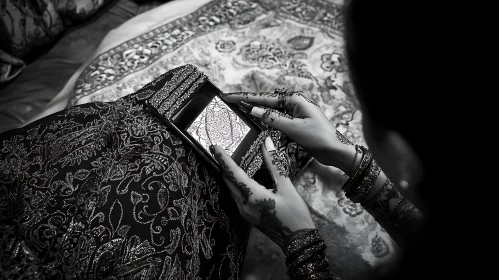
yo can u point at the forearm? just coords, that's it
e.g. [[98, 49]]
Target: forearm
[[370, 187], [397, 215]]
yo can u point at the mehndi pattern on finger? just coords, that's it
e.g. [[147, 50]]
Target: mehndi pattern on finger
[[279, 164], [227, 173], [300, 93]]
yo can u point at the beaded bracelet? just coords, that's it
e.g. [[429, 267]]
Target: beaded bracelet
[[316, 263], [360, 193], [305, 257], [305, 254], [299, 240], [324, 275]]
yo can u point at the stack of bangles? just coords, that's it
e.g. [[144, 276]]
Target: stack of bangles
[[360, 184], [362, 181], [305, 256]]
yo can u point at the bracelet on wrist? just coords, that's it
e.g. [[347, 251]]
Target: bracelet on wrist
[[358, 151], [360, 173], [360, 192], [305, 256]]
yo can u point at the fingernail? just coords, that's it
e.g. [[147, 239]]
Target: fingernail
[[212, 149], [269, 145], [258, 112], [246, 107], [225, 94]]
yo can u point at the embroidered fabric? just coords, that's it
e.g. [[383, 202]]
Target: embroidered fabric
[[106, 190]]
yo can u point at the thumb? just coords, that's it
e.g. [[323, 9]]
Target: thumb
[[242, 186], [278, 166]]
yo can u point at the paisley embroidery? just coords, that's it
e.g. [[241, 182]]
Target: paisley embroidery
[[105, 189]]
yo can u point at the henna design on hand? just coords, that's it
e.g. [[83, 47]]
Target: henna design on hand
[[266, 114], [269, 94], [227, 173], [281, 114], [300, 93], [247, 93], [243, 93], [270, 224], [279, 164]]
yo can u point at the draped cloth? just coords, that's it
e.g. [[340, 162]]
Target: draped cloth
[[26, 26], [105, 190]]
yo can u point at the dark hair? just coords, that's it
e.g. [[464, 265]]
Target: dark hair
[[390, 52], [385, 50]]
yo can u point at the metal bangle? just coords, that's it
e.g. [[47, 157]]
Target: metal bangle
[[360, 173], [360, 193]]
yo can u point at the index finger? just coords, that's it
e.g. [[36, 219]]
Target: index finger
[[266, 99], [271, 99]]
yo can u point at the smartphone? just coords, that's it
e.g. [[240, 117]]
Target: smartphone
[[204, 119]]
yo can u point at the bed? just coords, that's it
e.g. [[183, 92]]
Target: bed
[[252, 46]]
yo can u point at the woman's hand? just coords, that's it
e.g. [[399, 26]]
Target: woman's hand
[[309, 127], [276, 213]]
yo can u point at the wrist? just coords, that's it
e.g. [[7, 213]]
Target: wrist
[[345, 158]]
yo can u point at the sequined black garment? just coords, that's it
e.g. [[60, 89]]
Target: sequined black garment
[[105, 190]]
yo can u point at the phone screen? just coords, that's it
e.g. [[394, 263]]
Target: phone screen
[[219, 125], [210, 121], [204, 119]]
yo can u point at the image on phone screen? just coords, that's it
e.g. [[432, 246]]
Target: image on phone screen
[[207, 120], [219, 125]]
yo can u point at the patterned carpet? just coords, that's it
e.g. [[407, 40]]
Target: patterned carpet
[[258, 46]]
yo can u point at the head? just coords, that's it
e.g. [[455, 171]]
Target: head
[[386, 65], [400, 62]]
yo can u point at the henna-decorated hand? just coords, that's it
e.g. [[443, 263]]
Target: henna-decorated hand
[[276, 213], [308, 127]]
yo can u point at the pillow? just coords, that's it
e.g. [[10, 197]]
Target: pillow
[[26, 25]]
